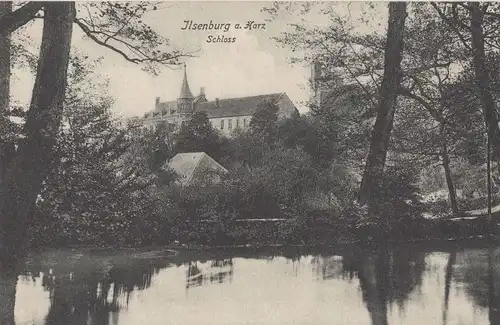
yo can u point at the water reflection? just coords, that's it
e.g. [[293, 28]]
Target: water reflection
[[218, 271], [385, 276], [8, 280], [382, 286], [89, 289], [480, 275], [447, 284]]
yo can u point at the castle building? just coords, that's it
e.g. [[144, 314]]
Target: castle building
[[226, 115]]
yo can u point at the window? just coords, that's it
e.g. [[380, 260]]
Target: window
[[237, 123], [230, 124], [244, 122], [222, 124]]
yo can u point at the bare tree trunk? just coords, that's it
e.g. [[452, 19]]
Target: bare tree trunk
[[488, 176], [447, 172], [26, 172], [5, 53], [482, 77], [381, 133], [5, 8], [449, 182], [483, 83], [7, 279]]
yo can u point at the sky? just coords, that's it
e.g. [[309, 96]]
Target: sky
[[254, 64]]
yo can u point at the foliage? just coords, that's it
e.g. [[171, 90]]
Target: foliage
[[397, 209], [91, 194], [264, 123], [102, 178], [198, 135], [109, 184], [120, 27], [273, 173]]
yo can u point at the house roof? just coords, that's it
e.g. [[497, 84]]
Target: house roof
[[188, 165], [242, 106]]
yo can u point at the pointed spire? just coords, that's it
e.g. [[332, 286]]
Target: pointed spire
[[185, 91]]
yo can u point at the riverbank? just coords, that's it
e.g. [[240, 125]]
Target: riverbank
[[174, 250], [177, 255], [312, 231]]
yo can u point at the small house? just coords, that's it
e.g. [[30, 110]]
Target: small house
[[196, 167]]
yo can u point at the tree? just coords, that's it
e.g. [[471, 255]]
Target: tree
[[352, 60], [248, 147], [387, 102], [483, 83], [5, 62], [483, 31], [198, 135], [264, 122], [99, 189], [27, 170], [5, 53], [312, 136], [117, 26]]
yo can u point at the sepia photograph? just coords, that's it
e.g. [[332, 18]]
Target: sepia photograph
[[249, 163]]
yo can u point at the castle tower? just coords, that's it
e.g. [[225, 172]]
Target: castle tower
[[186, 99]]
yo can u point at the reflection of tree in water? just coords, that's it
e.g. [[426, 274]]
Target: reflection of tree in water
[[479, 272], [386, 276], [218, 271], [93, 294], [329, 267], [8, 280]]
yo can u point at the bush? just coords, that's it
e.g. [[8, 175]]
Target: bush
[[396, 208]]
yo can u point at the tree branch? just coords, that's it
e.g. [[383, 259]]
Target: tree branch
[[434, 113], [91, 34], [427, 67], [492, 14], [16, 19], [452, 25]]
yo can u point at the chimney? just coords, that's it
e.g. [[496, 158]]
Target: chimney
[[202, 91], [157, 101], [217, 102]]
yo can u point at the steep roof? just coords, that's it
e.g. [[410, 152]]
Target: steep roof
[[236, 106], [242, 106], [185, 91], [189, 165]]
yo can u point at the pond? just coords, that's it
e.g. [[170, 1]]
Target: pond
[[348, 285]]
